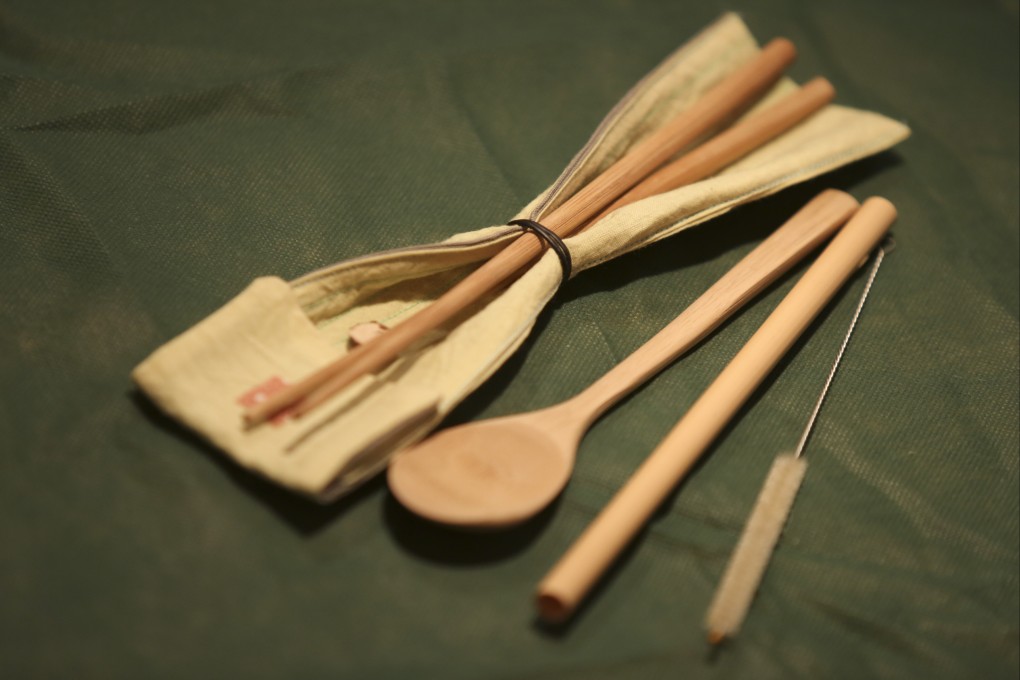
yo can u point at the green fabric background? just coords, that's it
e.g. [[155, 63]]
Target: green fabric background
[[155, 157]]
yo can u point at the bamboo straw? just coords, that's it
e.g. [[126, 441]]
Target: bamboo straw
[[732, 95], [566, 585]]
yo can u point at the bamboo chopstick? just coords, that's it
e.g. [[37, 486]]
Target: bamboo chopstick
[[569, 581], [726, 100]]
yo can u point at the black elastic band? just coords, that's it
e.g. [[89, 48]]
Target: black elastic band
[[554, 241]]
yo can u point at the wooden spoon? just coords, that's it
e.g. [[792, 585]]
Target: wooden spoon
[[502, 471]]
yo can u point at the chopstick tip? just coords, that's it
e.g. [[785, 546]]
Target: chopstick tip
[[782, 48], [823, 86]]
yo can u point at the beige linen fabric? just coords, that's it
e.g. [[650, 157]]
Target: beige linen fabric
[[286, 330]]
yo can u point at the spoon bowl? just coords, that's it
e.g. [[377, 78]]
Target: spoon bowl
[[487, 474]]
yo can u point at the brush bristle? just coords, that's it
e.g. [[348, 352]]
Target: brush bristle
[[747, 565]]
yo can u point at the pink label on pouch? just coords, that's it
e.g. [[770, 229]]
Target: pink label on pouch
[[260, 393]]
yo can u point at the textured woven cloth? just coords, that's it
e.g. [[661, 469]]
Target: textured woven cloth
[[158, 157]]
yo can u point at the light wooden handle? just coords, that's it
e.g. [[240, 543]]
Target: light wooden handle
[[581, 567], [732, 95], [803, 232]]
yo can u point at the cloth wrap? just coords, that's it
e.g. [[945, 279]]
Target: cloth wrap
[[284, 330]]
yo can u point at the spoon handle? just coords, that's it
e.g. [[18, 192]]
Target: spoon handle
[[812, 224]]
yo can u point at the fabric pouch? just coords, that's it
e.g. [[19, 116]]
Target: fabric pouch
[[276, 332]]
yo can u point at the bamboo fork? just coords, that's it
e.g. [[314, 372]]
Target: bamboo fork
[[722, 103]]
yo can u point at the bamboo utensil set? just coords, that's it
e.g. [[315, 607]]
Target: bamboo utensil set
[[502, 472]]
